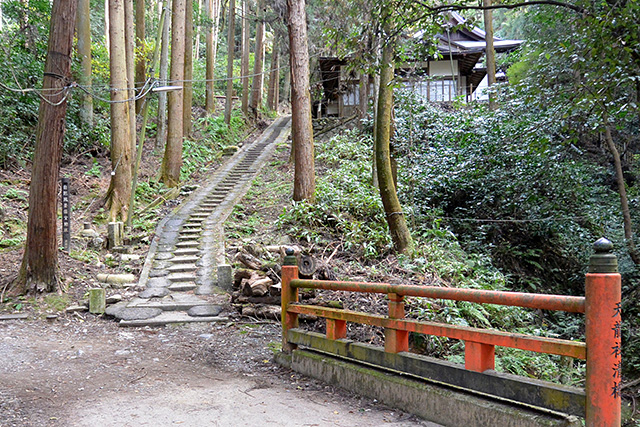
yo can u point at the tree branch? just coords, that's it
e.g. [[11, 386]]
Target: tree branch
[[456, 7]]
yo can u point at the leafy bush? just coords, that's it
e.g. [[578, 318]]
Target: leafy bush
[[347, 204]]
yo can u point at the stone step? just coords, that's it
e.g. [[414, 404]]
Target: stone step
[[188, 244], [170, 317], [186, 252], [180, 277], [191, 225], [191, 231], [187, 238], [182, 287], [182, 268], [173, 302], [184, 259]]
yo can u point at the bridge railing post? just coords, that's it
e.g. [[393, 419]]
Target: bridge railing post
[[395, 340], [603, 337], [479, 357], [289, 295]]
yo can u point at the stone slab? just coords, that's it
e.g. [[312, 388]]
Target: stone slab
[[163, 256], [185, 259], [182, 287], [158, 282], [188, 244], [171, 317], [114, 309], [186, 238], [158, 273], [160, 265], [154, 293], [182, 268], [186, 252], [209, 310], [181, 277], [137, 313], [19, 316]]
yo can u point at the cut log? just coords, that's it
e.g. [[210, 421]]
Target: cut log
[[275, 290], [256, 288], [248, 260], [262, 311], [241, 273]]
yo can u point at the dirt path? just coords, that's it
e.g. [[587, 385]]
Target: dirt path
[[89, 372]]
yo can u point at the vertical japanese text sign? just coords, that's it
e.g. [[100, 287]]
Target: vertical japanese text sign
[[66, 215]]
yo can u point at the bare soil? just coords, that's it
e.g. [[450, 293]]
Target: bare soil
[[77, 369], [81, 370]]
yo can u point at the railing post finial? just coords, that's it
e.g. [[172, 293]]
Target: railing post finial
[[603, 260]]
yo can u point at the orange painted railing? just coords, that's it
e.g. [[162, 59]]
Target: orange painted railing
[[601, 306]]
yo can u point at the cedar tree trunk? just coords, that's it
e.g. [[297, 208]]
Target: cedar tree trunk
[[172, 161], [256, 87], [83, 31], [304, 183], [188, 69], [39, 271], [244, 64], [121, 154], [231, 47]]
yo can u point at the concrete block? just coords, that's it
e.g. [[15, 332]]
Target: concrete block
[[225, 279]]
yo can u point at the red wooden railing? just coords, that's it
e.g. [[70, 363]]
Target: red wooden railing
[[601, 306]]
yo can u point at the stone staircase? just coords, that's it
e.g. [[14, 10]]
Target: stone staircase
[[180, 273]]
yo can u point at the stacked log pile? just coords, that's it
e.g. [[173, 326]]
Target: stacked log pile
[[257, 282]]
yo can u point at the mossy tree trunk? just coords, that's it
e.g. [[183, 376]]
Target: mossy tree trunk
[[141, 63], [396, 220]]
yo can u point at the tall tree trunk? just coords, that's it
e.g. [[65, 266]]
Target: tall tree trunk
[[121, 154], [172, 161], [256, 87], [490, 51], [213, 12], [304, 183], [231, 47], [141, 63], [145, 118], [396, 220], [161, 135], [274, 76], [188, 69], [196, 53], [363, 97], [39, 271], [286, 85], [106, 27], [244, 65], [83, 31], [130, 40], [624, 201]]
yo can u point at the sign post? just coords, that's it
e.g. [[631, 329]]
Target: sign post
[[66, 216]]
